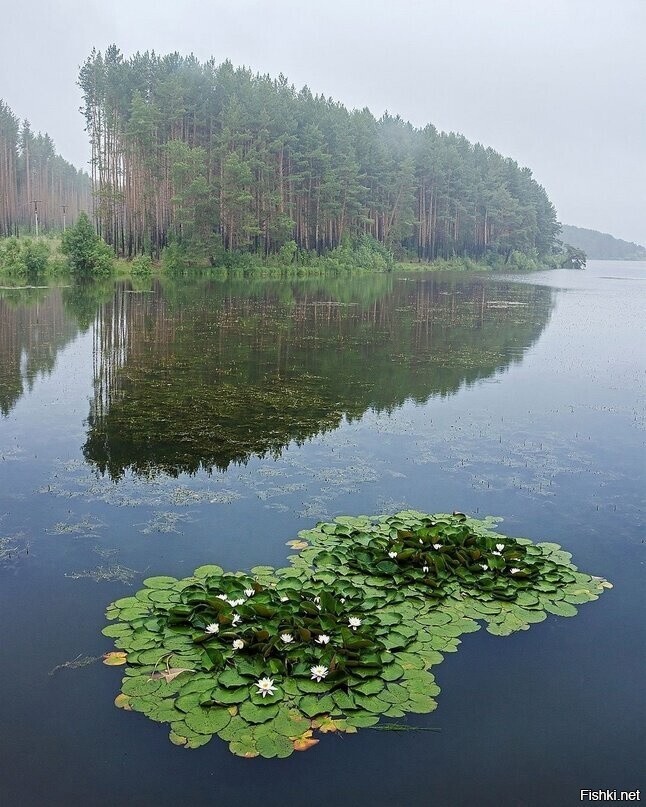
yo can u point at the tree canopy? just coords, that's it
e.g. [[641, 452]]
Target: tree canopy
[[216, 158], [33, 175]]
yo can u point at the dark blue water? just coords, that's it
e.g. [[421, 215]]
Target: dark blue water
[[148, 433]]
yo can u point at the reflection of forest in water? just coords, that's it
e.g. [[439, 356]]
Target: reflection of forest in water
[[34, 326], [211, 373]]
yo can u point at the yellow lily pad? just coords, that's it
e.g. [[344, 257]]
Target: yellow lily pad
[[115, 658]]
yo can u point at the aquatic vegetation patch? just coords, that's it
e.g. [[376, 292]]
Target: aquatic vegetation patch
[[12, 548], [346, 634], [165, 522], [112, 573], [87, 527], [75, 663]]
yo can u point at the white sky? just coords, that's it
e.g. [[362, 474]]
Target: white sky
[[559, 85]]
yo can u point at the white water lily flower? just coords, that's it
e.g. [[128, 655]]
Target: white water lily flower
[[515, 570], [342, 600], [500, 547], [286, 637], [249, 592], [425, 569], [496, 553], [223, 597], [284, 599], [437, 546], [317, 599], [392, 554], [421, 542], [484, 566], [235, 603], [354, 622], [236, 619], [318, 672], [322, 639], [265, 686], [238, 644], [212, 628]]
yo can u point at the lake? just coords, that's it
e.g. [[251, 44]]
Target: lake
[[150, 430]]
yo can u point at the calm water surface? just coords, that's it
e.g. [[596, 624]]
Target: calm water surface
[[150, 431]]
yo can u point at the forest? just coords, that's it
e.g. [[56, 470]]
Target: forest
[[206, 159], [602, 246], [35, 181]]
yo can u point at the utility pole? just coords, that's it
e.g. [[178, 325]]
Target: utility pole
[[36, 201], [64, 209]]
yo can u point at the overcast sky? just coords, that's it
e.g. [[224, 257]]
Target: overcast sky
[[559, 85]]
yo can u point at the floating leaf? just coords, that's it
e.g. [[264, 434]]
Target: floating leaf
[[257, 714], [206, 571], [160, 582], [194, 649], [305, 742], [297, 544], [274, 745], [207, 721], [123, 702], [561, 608], [170, 674], [115, 658]]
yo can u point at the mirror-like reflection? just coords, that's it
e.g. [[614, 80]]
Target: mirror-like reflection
[[34, 326], [199, 377]]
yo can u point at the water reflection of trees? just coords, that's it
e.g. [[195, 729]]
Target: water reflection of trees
[[34, 327], [205, 375]]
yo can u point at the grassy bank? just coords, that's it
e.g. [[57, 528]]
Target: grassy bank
[[32, 261]]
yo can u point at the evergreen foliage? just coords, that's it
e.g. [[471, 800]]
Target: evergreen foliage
[[88, 255], [214, 160], [32, 172], [573, 258]]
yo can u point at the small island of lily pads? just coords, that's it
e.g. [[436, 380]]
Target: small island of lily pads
[[346, 634]]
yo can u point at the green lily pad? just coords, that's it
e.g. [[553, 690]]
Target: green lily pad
[[274, 745], [204, 685], [312, 706], [560, 608], [206, 571], [160, 582], [207, 721], [253, 713], [139, 685], [230, 678], [230, 696]]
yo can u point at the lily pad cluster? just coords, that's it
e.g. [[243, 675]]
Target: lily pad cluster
[[346, 634]]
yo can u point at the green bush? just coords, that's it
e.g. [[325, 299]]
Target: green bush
[[24, 258], [88, 254], [35, 255], [287, 253], [521, 262], [174, 260], [141, 266], [11, 259]]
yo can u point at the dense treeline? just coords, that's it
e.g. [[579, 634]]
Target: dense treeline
[[32, 172], [215, 158], [602, 246]]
